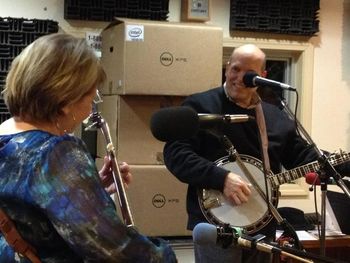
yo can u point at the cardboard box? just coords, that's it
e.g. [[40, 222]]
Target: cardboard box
[[161, 58], [129, 118], [157, 201]]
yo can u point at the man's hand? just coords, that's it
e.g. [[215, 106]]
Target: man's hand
[[236, 190]]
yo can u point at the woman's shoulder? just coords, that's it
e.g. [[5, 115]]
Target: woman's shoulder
[[66, 141], [37, 140]]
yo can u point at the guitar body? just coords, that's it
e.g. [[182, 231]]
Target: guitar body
[[253, 215]]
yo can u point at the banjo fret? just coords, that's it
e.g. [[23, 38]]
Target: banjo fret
[[296, 173]]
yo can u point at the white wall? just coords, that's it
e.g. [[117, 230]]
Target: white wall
[[330, 127], [331, 107]]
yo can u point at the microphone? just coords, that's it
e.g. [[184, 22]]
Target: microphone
[[251, 79], [314, 179], [206, 120], [181, 122], [207, 234]]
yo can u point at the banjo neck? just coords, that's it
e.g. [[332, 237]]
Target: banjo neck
[[296, 173], [253, 215]]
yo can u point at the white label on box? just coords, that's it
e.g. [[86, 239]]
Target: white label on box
[[134, 33], [95, 41]]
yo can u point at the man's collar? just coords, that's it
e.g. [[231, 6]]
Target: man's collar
[[255, 99]]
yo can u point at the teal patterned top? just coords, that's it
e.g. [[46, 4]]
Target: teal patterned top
[[49, 186]]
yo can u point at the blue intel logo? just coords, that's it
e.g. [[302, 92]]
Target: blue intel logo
[[135, 32]]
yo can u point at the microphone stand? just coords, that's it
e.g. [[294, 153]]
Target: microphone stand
[[326, 170], [256, 242], [234, 156], [311, 256]]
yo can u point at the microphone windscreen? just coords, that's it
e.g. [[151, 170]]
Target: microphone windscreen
[[312, 178], [248, 78], [204, 234], [174, 123]]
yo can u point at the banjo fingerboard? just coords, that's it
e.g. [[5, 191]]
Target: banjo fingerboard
[[296, 173]]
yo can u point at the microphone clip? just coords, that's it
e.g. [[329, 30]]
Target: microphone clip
[[254, 240], [227, 234], [230, 149]]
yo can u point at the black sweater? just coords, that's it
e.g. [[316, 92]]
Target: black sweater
[[191, 160]]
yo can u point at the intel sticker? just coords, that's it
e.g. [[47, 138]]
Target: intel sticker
[[134, 33]]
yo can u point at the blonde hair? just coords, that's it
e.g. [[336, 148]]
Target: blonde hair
[[52, 72]]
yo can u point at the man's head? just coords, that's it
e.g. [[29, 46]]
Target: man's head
[[244, 58]]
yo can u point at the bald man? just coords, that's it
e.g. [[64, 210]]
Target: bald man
[[192, 160]]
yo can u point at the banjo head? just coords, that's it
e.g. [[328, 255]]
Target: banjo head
[[253, 215]]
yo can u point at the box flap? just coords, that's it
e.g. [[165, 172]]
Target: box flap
[[115, 22], [120, 20]]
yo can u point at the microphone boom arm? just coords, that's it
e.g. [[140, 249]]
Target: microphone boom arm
[[232, 236]]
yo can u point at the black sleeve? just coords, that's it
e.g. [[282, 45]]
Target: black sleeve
[[182, 161], [184, 158]]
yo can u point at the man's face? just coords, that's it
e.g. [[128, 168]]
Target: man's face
[[241, 63]]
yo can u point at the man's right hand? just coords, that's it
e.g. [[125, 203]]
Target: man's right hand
[[236, 189]]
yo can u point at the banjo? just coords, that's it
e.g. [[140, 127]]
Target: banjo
[[253, 215]]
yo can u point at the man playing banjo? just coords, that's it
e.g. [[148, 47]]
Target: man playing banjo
[[194, 160]]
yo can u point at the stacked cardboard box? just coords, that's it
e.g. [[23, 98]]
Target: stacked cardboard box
[[151, 65]]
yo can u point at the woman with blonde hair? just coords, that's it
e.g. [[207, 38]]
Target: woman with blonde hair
[[49, 184]]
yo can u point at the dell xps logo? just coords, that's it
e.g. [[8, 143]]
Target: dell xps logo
[[158, 200], [166, 59]]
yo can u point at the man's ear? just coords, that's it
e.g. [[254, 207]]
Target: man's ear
[[227, 65], [264, 74]]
